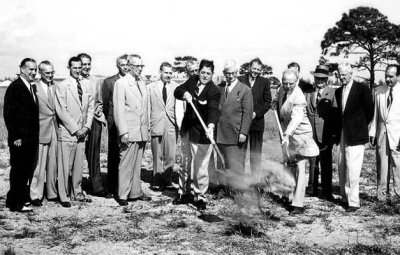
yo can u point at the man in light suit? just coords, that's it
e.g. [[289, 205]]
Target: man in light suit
[[236, 106], [93, 143], [131, 117], [21, 116], [297, 134], [74, 108], [113, 149], [261, 103], [320, 114], [163, 127], [201, 91], [354, 110], [385, 133], [46, 169]]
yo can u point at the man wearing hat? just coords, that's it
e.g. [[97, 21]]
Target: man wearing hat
[[320, 113]]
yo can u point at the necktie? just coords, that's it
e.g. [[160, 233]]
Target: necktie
[[284, 98], [227, 90], [50, 94], [80, 92], [390, 98], [318, 96], [33, 91], [164, 93]]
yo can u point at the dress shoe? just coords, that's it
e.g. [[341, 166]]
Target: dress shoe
[[141, 198], [327, 197], [296, 210], [36, 202], [352, 209], [52, 200], [200, 204], [101, 193], [65, 204], [180, 200], [122, 202], [23, 209]]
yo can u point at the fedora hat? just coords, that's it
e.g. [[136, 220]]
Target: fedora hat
[[321, 71]]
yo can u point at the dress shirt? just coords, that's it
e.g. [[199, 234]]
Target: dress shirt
[[29, 86], [45, 87], [201, 87], [345, 94], [251, 81], [230, 87]]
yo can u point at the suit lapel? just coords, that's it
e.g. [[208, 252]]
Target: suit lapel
[[158, 92], [351, 95], [42, 96], [170, 93], [74, 91], [313, 98]]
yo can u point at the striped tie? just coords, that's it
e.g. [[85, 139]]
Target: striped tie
[[80, 92]]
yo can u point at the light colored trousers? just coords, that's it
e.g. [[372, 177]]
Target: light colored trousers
[[45, 171], [198, 171], [184, 173], [351, 159], [70, 162], [299, 172], [386, 157], [163, 149], [129, 183]]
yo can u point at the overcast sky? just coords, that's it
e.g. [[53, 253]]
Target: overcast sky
[[278, 31]]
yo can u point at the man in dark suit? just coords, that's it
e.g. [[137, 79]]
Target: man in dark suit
[[261, 104], [320, 114], [205, 96], [236, 106], [113, 149], [305, 86], [21, 116], [354, 110]]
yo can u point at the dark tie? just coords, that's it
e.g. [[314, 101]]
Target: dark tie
[[33, 91], [80, 92], [227, 89], [318, 96], [284, 98], [164, 93], [390, 98], [197, 89]]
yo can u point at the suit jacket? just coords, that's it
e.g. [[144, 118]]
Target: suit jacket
[[131, 113], [161, 113], [236, 113], [95, 85], [295, 123], [207, 105], [321, 114], [47, 112], [21, 113], [305, 86], [261, 100], [354, 119], [386, 120], [71, 113], [107, 94]]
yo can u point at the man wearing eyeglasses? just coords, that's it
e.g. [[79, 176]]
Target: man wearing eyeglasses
[[21, 116], [261, 103], [46, 169], [354, 110], [236, 106]]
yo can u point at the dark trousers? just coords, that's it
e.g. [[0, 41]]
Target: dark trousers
[[23, 162], [234, 156], [93, 156], [256, 141], [113, 159], [325, 159]]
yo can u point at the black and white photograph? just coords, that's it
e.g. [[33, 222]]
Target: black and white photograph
[[199, 127]]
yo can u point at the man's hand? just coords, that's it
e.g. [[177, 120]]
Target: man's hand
[[285, 139], [187, 97], [242, 138], [372, 140], [18, 142], [254, 115], [210, 131], [125, 139], [98, 111]]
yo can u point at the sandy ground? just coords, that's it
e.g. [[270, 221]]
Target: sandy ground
[[230, 225]]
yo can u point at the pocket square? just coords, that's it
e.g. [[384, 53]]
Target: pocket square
[[202, 102]]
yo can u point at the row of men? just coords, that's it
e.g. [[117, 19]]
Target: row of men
[[136, 113], [67, 118]]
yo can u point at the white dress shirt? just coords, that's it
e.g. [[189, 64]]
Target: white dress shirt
[[230, 88], [29, 87], [345, 94]]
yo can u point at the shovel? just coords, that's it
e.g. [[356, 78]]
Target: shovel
[[214, 144]]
